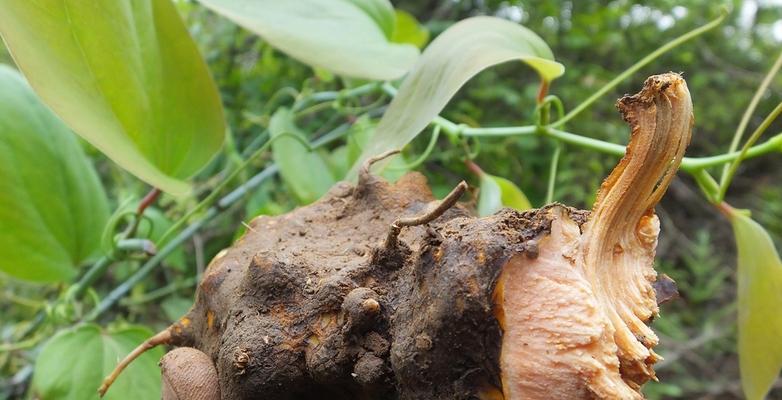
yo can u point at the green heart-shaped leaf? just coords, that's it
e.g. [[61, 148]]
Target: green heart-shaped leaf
[[52, 206], [73, 363], [458, 54], [124, 75], [760, 301], [305, 173], [347, 37]]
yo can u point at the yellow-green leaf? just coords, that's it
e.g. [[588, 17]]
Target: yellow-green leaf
[[408, 30], [462, 51], [52, 205], [512, 196], [347, 37], [497, 192], [124, 75], [381, 11], [760, 302]]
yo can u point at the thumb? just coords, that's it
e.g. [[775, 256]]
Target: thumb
[[189, 374]]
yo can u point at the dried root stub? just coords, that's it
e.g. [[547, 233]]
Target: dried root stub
[[379, 292]]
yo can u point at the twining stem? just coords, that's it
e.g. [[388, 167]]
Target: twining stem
[[498, 131], [429, 147], [115, 295], [692, 165], [208, 200], [161, 292], [97, 270], [337, 95], [24, 344], [586, 142], [640, 64], [274, 99], [708, 185], [734, 144], [121, 290], [728, 176], [552, 173], [99, 267], [147, 201], [689, 164]]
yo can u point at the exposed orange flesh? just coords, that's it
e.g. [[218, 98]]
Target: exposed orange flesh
[[574, 319]]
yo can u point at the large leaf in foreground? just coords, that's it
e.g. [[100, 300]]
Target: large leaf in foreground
[[52, 206], [126, 76], [760, 301], [73, 363], [381, 11], [347, 37], [454, 57]]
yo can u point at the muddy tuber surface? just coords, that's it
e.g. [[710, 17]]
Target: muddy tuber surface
[[341, 300]]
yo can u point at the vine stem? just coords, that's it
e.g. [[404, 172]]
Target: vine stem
[[161, 292], [21, 345], [337, 95], [640, 64], [208, 200], [418, 161], [708, 185], [552, 174], [147, 201], [734, 144], [226, 201], [728, 177], [150, 265], [696, 163], [689, 164]]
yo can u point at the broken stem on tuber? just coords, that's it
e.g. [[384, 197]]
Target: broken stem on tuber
[[163, 337], [364, 174], [427, 217]]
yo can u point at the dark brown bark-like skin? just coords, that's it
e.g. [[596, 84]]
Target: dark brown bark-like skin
[[310, 305]]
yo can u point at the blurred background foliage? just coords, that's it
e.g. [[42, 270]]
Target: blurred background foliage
[[595, 41]]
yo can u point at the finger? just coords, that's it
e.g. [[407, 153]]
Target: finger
[[189, 374]]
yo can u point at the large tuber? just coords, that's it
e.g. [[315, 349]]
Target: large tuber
[[379, 292]]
